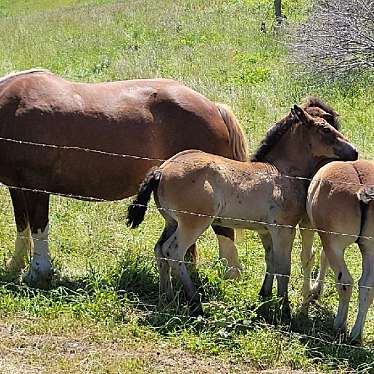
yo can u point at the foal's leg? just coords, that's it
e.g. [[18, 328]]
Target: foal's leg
[[366, 289], [307, 256], [163, 265], [281, 259], [267, 285], [334, 247], [318, 285], [41, 271], [23, 243], [228, 251], [175, 248]]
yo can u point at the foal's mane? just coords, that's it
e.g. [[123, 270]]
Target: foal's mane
[[272, 137], [24, 72], [276, 131], [313, 101]]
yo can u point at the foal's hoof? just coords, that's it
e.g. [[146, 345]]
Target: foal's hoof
[[196, 310], [14, 268], [285, 311], [315, 293], [233, 273], [38, 279], [355, 340]]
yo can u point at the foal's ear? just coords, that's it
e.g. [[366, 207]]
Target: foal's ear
[[301, 115]]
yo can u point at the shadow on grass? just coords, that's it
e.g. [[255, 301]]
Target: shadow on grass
[[136, 283], [324, 346]]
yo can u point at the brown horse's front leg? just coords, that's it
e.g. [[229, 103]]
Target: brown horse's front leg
[[41, 270], [23, 243]]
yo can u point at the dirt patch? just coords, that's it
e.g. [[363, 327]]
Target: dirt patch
[[89, 353]]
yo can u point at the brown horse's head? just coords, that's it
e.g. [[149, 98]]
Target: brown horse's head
[[324, 139]]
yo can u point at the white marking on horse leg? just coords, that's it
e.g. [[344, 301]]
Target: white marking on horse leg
[[229, 253], [23, 246], [41, 265]]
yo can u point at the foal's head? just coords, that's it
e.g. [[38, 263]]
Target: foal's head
[[322, 139]]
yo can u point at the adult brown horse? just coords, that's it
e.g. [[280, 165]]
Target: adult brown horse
[[194, 190], [340, 205], [149, 119]]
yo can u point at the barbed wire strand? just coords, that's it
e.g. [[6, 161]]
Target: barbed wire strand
[[76, 148], [144, 158]]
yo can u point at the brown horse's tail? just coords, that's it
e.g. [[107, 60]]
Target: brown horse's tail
[[238, 140], [136, 210]]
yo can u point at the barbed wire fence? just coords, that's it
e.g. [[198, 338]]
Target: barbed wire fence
[[154, 309]]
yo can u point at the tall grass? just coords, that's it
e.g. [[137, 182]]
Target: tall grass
[[217, 48]]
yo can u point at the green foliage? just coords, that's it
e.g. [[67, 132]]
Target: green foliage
[[107, 271]]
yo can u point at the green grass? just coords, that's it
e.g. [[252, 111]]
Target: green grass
[[96, 320]]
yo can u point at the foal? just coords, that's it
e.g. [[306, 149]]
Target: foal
[[194, 190], [340, 201]]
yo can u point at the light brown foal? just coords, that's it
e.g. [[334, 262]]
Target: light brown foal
[[340, 200], [194, 190]]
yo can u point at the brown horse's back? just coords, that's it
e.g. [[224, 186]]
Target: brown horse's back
[[334, 198], [153, 119]]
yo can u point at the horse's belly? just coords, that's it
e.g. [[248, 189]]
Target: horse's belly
[[77, 174]]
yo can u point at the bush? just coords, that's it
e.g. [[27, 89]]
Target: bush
[[337, 39]]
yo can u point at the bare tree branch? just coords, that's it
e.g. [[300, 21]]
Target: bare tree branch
[[337, 39]]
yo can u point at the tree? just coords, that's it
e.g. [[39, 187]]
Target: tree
[[337, 39]]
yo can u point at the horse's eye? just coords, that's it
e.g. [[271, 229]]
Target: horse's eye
[[326, 130]]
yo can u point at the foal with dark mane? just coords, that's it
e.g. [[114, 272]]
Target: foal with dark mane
[[142, 121], [267, 196]]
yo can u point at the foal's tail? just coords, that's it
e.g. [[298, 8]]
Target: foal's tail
[[136, 210], [238, 140]]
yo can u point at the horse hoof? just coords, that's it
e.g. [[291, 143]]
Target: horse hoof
[[233, 273], [355, 340], [14, 267], [37, 279], [196, 310], [285, 311]]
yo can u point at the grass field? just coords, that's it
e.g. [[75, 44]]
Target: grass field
[[98, 321]]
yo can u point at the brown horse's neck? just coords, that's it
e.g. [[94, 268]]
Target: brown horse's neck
[[292, 155]]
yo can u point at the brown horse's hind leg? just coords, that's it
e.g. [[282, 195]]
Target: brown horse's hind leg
[[366, 290], [175, 248], [228, 251], [41, 271], [23, 243]]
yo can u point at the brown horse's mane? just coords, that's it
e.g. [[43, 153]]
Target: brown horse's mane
[[24, 72], [274, 134]]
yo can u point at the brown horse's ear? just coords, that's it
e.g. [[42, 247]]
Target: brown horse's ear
[[301, 115]]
